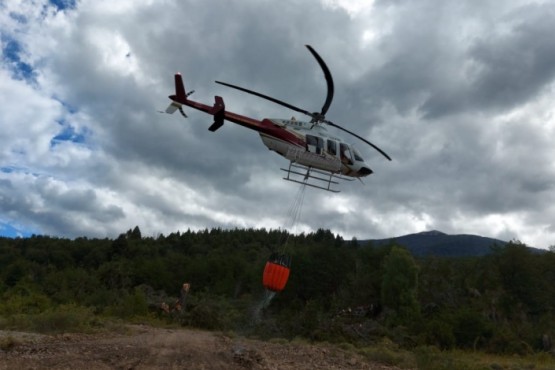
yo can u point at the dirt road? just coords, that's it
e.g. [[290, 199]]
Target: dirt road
[[155, 348]]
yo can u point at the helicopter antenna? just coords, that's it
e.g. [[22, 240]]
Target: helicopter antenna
[[316, 117]]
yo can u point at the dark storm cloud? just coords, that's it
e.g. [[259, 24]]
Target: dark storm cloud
[[51, 206], [508, 64], [515, 64]]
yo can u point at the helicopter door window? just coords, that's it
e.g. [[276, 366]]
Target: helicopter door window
[[346, 156], [320, 145], [332, 147], [314, 144], [311, 143]]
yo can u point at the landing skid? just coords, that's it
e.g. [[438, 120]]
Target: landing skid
[[311, 178]]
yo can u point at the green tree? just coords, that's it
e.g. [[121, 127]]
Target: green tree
[[470, 328], [399, 286], [521, 280], [134, 234]]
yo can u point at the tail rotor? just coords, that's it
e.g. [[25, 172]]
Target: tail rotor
[[179, 97]]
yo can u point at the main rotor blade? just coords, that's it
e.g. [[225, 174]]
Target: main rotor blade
[[287, 105], [329, 80], [358, 137]]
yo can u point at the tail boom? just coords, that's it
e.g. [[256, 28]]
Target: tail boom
[[217, 110]]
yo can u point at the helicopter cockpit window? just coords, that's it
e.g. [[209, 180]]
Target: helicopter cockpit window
[[332, 147], [346, 156], [357, 155]]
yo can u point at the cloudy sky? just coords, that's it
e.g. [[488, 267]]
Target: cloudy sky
[[459, 94]]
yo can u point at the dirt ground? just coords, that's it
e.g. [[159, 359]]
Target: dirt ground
[[146, 347]]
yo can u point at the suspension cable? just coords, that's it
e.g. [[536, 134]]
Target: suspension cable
[[294, 213]]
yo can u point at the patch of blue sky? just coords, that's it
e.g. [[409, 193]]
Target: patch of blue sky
[[68, 133], [16, 169], [69, 108], [11, 53], [20, 18], [10, 231], [63, 4]]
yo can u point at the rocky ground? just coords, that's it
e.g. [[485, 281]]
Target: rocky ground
[[145, 347]]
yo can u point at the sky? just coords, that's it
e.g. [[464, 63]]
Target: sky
[[459, 94]]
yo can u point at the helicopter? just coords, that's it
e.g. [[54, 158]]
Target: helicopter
[[316, 157]]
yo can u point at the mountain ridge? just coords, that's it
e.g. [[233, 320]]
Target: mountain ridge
[[437, 243]]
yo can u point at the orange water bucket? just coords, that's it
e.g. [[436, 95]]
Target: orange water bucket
[[276, 273]]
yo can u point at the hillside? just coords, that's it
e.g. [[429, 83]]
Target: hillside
[[436, 243]]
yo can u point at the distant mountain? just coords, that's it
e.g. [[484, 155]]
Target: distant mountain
[[436, 243]]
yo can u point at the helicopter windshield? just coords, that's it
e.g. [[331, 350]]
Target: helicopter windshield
[[345, 153], [357, 155]]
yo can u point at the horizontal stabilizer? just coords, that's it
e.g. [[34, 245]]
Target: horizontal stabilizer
[[172, 107]]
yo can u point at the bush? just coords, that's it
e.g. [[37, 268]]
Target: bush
[[508, 341], [470, 329], [212, 313], [8, 343], [388, 353], [431, 358], [130, 305], [65, 318], [440, 334], [23, 301]]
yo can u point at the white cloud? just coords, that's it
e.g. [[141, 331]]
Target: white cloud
[[460, 95]]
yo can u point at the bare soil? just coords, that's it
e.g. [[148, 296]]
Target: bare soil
[[145, 347]]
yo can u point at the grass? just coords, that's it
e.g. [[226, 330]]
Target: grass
[[479, 360], [388, 353], [432, 358], [65, 318], [8, 343], [281, 341]]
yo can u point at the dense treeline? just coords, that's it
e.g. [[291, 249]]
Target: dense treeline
[[338, 291]]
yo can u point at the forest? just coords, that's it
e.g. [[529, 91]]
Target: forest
[[338, 291]]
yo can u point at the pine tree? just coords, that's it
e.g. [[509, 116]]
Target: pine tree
[[399, 286]]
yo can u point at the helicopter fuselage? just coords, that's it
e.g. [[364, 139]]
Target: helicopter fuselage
[[318, 148]]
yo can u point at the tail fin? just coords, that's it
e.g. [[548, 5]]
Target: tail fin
[[180, 87], [180, 96]]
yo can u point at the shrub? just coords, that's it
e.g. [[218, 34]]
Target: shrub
[[440, 334], [210, 312], [130, 305], [63, 319], [23, 301], [470, 328], [8, 343]]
